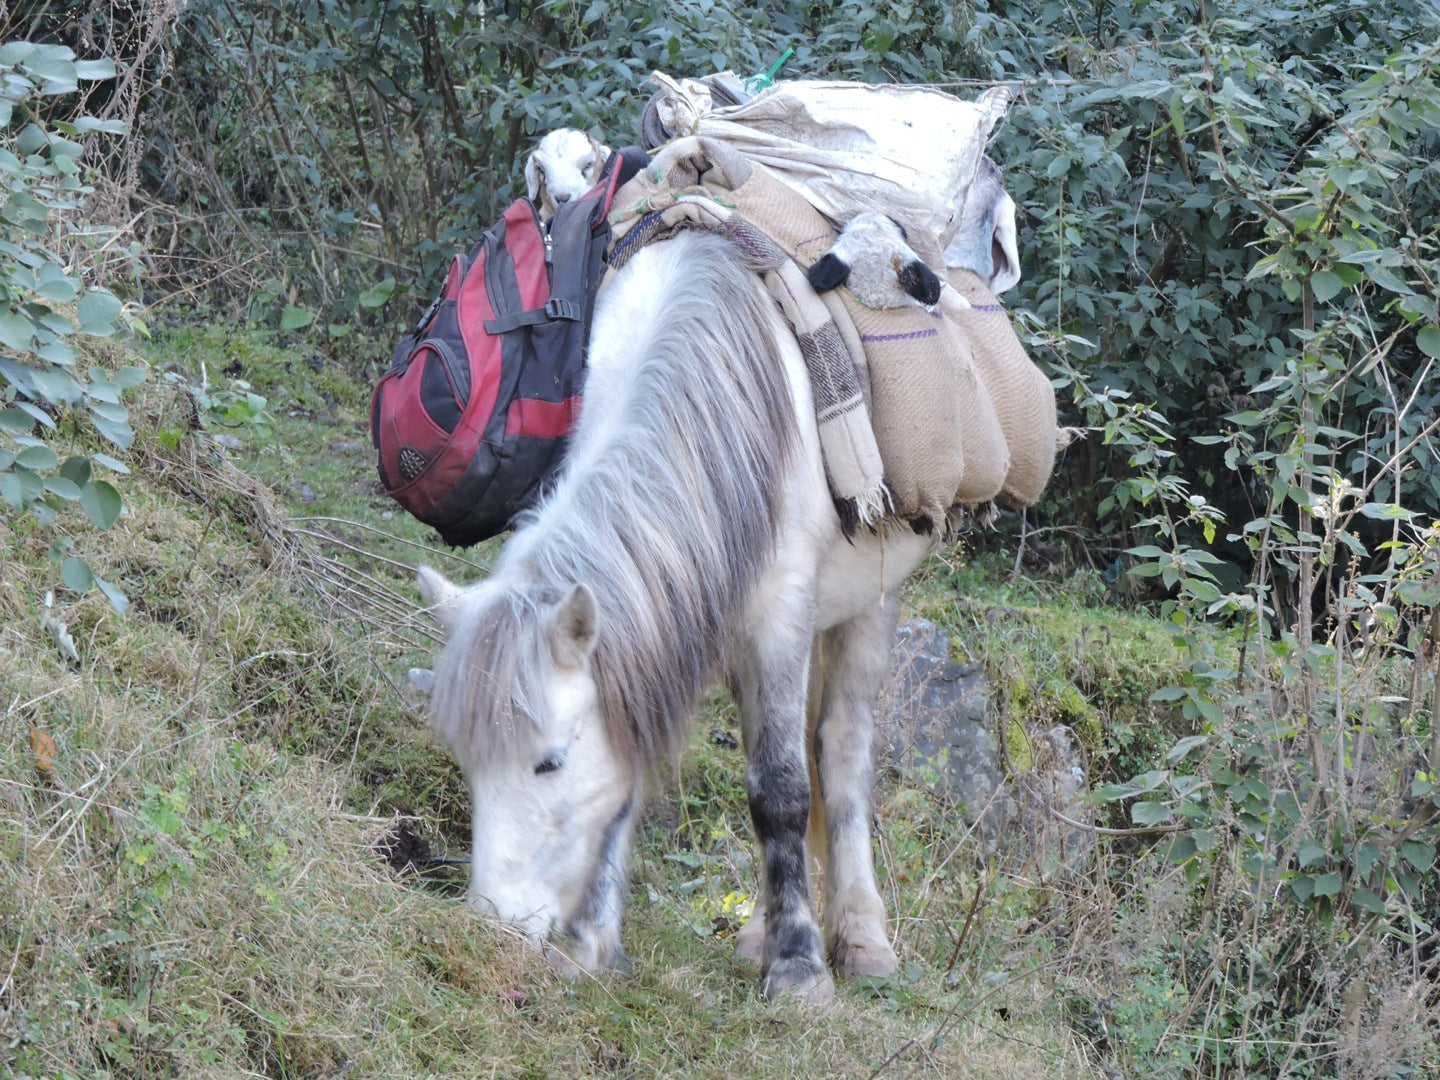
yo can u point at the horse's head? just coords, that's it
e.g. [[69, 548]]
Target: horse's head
[[516, 700], [986, 240]]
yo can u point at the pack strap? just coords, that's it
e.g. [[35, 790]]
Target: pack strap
[[556, 309]]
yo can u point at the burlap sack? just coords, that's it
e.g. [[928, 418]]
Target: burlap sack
[[937, 431], [937, 434], [1024, 400], [907, 151]]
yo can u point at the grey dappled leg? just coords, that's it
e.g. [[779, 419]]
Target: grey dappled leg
[[592, 940], [854, 657], [769, 683]]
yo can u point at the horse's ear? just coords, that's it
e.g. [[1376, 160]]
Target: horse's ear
[[440, 596], [573, 628], [827, 273]]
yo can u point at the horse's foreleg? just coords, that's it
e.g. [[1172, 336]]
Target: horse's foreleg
[[592, 940], [853, 658], [769, 682]]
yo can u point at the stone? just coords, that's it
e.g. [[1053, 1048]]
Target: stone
[[933, 725], [1057, 782]]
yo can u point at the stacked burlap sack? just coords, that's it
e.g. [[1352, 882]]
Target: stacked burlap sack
[[935, 409]]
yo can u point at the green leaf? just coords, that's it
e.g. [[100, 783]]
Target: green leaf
[[377, 295], [95, 69], [1327, 884], [41, 416], [97, 312], [1312, 853], [1367, 900], [1418, 854], [16, 332], [12, 489], [1387, 512], [55, 68], [1182, 748], [1149, 813], [1181, 848], [87, 124], [1428, 341], [62, 488], [15, 52], [117, 598], [75, 572], [37, 457], [77, 471], [101, 503], [294, 318], [1326, 285], [110, 463], [16, 421], [116, 431], [52, 283], [129, 377]]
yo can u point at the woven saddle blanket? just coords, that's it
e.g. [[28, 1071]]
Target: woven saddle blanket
[[907, 428]]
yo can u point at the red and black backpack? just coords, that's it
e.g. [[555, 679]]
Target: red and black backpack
[[474, 413]]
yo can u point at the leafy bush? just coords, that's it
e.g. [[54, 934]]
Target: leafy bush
[[1160, 154], [327, 146], [48, 305]]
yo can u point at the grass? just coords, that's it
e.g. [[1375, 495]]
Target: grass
[[194, 820], [191, 883]]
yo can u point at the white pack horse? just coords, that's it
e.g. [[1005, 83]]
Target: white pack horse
[[690, 537]]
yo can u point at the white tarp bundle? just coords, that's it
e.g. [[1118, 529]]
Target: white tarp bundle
[[907, 151]]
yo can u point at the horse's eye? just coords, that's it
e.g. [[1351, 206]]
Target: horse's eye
[[550, 764]]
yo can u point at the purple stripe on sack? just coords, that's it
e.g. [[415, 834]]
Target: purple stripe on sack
[[897, 337], [989, 309], [829, 234], [621, 250]]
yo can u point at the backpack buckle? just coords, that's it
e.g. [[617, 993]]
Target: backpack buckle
[[429, 314], [558, 307]]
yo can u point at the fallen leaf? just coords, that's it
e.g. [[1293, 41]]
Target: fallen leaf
[[45, 753]]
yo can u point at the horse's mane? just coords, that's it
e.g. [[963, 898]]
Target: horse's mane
[[667, 509]]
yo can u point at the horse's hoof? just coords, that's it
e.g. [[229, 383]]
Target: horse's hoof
[[854, 960], [575, 958], [802, 978], [750, 940], [562, 964]]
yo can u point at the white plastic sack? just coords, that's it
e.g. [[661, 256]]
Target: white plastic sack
[[907, 151]]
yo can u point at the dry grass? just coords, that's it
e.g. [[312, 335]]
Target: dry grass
[[189, 883]]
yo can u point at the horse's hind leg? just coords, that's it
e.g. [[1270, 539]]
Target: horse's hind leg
[[769, 683], [852, 658]]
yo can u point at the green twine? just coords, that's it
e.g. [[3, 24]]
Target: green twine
[[756, 83]]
